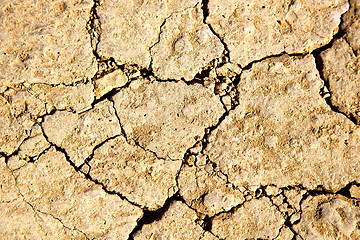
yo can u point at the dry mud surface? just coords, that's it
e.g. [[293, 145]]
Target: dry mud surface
[[174, 119]]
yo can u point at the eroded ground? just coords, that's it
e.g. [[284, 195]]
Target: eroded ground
[[180, 119]]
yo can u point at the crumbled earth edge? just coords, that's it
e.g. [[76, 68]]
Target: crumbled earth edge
[[146, 146]]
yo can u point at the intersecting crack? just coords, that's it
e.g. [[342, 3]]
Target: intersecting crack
[[205, 8], [86, 175], [161, 31], [326, 91], [218, 134], [36, 211]]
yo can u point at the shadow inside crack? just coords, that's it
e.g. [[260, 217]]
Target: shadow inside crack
[[153, 216]]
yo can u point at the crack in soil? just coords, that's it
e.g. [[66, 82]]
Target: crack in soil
[[108, 65]]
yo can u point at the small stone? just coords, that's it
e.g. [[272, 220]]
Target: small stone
[[278, 200], [355, 191], [197, 148], [191, 160], [285, 209], [248, 197], [295, 217], [109, 82], [209, 168], [135, 74], [272, 190], [294, 197], [220, 88], [227, 102], [85, 168], [201, 160], [228, 70]]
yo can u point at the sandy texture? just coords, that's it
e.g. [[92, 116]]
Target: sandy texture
[[186, 46], [329, 217], [51, 187], [255, 219], [127, 168], [254, 30], [283, 132], [79, 134], [203, 189], [44, 42], [343, 77], [130, 29], [351, 25], [205, 120], [167, 117], [178, 222]]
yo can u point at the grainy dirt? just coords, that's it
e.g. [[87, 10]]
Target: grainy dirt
[[174, 119]]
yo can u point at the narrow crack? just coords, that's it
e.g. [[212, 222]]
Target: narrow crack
[[132, 141], [320, 190], [39, 211], [151, 216], [278, 233], [233, 93], [352, 18], [261, 192], [341, 34], [90, 157], [160, 32], [94, 28], [351, 47], [109, 64], [344, 191], [204, 141], [16, 151], [320, 68], [205, 8], [86, 175]]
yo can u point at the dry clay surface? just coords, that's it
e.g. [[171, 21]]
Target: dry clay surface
[[174, 119]]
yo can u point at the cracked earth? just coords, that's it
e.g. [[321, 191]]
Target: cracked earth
[[170, 119]]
